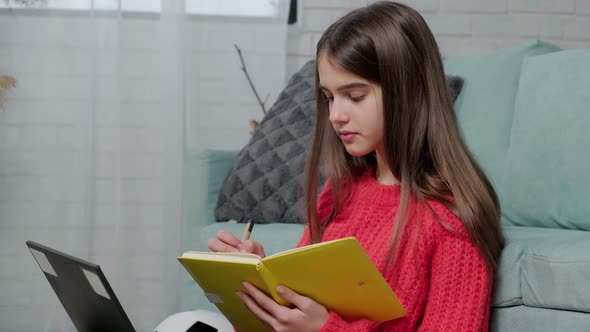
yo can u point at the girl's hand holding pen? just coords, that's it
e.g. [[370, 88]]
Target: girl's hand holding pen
[[227, 242]]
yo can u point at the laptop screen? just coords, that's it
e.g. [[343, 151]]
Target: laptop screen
[[82, 289]]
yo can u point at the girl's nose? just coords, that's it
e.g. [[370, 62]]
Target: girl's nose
[[338, 113]]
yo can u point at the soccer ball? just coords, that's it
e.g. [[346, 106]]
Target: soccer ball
[[195, 321]]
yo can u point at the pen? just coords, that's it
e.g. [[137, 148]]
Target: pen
[[248, 230]]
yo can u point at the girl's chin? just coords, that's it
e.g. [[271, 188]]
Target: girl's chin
[[357, 152]]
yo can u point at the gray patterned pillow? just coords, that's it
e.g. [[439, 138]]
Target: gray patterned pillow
[[266, 181]]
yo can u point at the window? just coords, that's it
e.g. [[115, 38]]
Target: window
[[243, 8], [149, 6], [249, 8]]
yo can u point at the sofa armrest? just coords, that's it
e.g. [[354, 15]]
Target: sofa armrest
[[204, 172]]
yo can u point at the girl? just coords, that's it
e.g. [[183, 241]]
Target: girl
[[400, 180]]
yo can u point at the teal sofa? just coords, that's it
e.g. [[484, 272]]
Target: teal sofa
[[525, 114]]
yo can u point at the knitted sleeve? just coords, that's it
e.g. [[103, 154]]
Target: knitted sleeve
[[460, 288], [336, 324]]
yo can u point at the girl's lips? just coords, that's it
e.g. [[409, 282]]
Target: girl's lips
[[347, 136]]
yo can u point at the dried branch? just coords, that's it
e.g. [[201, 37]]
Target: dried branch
[[266, 99], [260, 102], [6, 83]]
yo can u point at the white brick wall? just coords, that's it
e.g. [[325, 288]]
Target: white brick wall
[[578, 28], [472, 6], [582, 7], [460, 26], [220, 101]]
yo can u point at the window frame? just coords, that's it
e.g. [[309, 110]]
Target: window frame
[[6, 8]]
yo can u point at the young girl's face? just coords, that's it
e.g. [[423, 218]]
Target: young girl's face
[[356, 108]]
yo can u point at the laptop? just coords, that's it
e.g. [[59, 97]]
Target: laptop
[[83, 291]]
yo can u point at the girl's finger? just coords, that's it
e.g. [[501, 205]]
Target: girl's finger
[[216, 245], [253, 247], [302, 302], [226, 236], [267, 303], [263, 315]]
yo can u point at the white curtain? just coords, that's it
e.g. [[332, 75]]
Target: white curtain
[[92, 141]]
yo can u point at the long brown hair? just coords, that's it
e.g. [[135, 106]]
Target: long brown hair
[[391, 45]]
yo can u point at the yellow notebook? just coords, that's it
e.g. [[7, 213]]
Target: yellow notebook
[[337, 274]]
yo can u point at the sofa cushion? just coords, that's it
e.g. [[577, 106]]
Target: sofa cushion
[[204, 171], [485, 106], [544, 268], [524, 318], [546, 182], [266, 181]]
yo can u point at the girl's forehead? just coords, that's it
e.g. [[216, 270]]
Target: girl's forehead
[[332, 74], [327, 64]]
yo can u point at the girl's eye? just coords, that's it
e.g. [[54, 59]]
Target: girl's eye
[[356, 98], [329, 99]]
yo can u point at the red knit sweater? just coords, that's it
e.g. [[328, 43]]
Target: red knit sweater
[[442, 279]]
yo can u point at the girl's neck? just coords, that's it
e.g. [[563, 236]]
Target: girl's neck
[[383, 174]]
